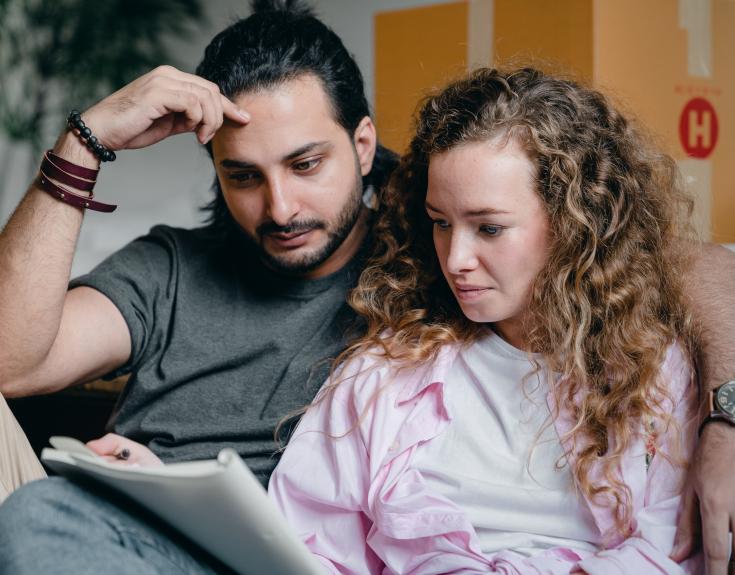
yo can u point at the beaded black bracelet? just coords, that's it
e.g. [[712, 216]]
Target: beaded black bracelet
[[75, 122]]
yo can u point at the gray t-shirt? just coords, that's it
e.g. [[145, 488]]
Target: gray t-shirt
[[222, 347]]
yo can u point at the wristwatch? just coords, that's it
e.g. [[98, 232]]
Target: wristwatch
[[721, 404]]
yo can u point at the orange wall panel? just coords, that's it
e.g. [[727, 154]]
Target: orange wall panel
[[641, 58], [637, 51], [723, 177], [416, 50], [556, 36]]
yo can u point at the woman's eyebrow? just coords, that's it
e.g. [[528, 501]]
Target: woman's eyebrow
[[485, 212], [480, 212]]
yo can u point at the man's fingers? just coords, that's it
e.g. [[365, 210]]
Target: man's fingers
[[187, 105], [688, 527], [176, 74], [223, 105], [118, 449], [715, 541], [216, 100], [214, 116], [211, 115], [202, 110], [106, 445], [159, 104], [232, 112]]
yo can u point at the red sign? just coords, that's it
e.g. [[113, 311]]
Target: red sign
[[698, 128]]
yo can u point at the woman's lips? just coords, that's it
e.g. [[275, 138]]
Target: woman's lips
[[470, 292]]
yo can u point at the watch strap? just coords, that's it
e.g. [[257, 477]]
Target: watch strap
[[713, 413], [715, 417]]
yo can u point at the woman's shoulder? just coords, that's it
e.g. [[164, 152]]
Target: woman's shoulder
[[677, 360], [373, 372], [677, 371]]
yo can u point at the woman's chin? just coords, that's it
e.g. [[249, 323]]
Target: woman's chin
[[480, 316]]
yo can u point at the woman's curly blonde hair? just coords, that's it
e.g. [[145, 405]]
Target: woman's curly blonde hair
[[608, 302]]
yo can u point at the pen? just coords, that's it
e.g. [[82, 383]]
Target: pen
[[123, 454]]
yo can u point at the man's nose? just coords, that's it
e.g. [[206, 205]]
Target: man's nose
[[282, 204]]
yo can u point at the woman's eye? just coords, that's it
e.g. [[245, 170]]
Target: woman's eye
[[441, 224], [491, 231]]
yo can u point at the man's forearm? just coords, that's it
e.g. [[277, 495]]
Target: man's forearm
[[709, 286], [36, 252], [711, 290]]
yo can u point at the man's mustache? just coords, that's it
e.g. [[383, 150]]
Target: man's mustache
[[293, 228]]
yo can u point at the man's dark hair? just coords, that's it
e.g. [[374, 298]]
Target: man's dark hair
[[283, 40]]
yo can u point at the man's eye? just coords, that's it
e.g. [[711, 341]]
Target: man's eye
[[244, 177], [306, 165], [490, 230]]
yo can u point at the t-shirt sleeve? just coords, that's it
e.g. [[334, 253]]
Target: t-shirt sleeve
[[139, 280]]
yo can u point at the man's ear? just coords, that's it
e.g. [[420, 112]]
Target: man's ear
[[365, 141]]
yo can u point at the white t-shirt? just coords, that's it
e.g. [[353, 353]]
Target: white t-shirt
[[497, 460]]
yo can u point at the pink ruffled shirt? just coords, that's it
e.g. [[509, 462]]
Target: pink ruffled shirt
[[347, 486]]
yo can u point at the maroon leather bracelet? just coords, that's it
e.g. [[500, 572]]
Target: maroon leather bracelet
[[69, 197], [53, 171], [74, 169]]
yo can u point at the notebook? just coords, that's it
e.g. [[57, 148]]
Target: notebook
[[218, 504]]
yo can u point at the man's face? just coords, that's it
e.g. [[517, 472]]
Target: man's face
[[292, 177]]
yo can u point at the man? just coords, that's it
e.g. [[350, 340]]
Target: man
[[225, 329]]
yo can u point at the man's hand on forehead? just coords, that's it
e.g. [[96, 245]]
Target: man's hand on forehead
[[159, 104]]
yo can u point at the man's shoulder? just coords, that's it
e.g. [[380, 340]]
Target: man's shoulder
[[189, 237], [182, 243], [157, 253]]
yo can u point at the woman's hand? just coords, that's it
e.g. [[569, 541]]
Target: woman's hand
[[119, 449]]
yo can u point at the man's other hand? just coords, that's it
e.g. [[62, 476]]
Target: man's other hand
[[119, 449], [710, 496]]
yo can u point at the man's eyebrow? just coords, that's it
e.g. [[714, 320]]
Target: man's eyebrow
[[306, 148], [482, 212], [237, 164]]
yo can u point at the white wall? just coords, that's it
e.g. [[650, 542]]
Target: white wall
[[168, 182]]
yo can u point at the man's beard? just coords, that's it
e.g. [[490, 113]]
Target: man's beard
[[340, 229]]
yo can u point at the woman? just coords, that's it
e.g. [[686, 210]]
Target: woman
[[522, 399]]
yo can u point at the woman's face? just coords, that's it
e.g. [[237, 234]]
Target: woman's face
[[490, 230]]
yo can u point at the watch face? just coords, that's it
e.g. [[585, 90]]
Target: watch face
[[726, 398]]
